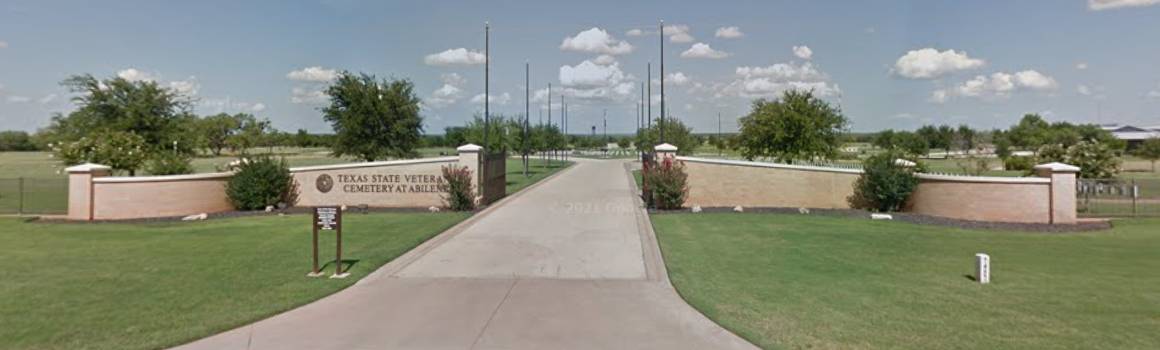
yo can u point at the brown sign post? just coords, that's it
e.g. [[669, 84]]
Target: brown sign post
[[328, 219]]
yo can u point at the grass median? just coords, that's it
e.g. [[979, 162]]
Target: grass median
[[797, 281]]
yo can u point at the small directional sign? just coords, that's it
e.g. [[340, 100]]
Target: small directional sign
[[328, 219]]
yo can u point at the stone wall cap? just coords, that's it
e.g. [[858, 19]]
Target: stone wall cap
[[471, 147], [665, 147], [87, 168], [1057, 167]]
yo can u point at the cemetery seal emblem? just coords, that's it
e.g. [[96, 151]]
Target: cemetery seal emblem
[[324, 183]]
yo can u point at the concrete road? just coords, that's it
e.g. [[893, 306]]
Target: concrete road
[[570, 263]]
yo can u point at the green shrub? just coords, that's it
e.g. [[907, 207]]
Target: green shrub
[[169, 163], [460, 195], [667, 182], [1016, 163], [884, 185], [262, 181], [1095, 160]]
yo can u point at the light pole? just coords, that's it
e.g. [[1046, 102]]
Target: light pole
[[486, 83], [527, 113], [663, 111]]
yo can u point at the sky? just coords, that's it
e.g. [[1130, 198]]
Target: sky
[[897, 64]]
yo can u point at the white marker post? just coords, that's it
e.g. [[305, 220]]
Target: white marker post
[[983, 268]]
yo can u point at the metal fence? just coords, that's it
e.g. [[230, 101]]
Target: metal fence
[[33, 196], [1118, 197]]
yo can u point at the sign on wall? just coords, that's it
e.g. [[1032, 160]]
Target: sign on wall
[[380, 183]]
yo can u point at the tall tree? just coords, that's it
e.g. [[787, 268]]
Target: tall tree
[[795, 126], [144, 108], [1031, 132], [217, 129], [1150, 150], [374, 119], [676, 133], [966, 137]]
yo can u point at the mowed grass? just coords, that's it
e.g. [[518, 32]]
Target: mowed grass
[[538, 169], [146, 286], [796, 281]]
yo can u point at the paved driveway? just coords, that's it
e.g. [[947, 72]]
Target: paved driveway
[[568, 264]]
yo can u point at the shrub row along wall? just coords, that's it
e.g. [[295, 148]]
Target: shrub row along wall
[[1049, 198], [93, 195]]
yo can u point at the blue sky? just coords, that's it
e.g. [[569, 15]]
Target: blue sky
[[890, 64]]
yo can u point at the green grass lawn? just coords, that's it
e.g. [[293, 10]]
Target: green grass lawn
[[538, 169], [143, 286], [793, 281]]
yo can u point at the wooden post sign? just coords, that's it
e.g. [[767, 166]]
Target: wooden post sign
[[328, 219]]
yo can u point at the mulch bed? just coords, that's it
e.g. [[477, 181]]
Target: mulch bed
[[913, 218], [240, 214]]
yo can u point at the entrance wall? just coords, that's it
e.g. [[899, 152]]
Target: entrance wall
[[1047, 198], [417, 183]]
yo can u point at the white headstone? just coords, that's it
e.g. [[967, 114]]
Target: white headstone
[[983, 268]]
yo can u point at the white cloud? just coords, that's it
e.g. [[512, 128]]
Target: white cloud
[[47, 99], [449, 92], [604, 60], [590, 81], [678, 78], [460, 56], [1081, 65], [18, 99], [774, 80], [1154, 93], [939, 96], [1099, 5], [678, 33], [307, 95], [1001, 85], [634, 32], [188, 87], [1083, 90], [731, 32], [228, 105], [132, 74], [589, 74], [1035, 80], [803, 52], [313, 74], [502, 99], [596, 40], [929, 63], [702, 50]]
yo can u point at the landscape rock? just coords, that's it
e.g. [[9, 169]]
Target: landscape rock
[[738, 209], [195, 217], [804, 211], [269, 208], [343, 208], [433, 209], [696, 209], [877, 216]]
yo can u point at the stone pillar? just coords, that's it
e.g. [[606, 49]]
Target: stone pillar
[[665, 150], [471, 156], [80, 189], [1062, 191]]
